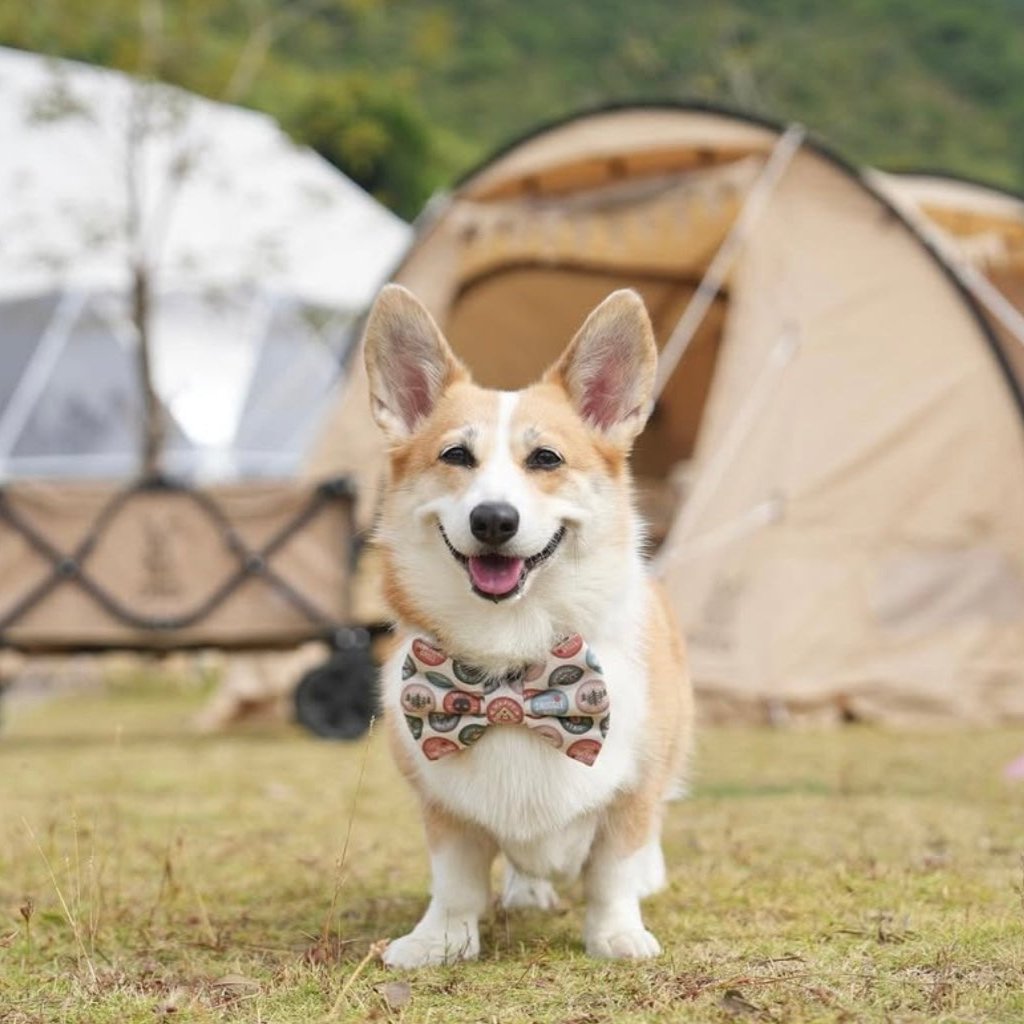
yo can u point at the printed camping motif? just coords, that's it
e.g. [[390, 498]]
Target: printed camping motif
[[449, 705]]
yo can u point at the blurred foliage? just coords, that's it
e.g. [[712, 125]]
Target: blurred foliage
[[289, 58], [401, 94]]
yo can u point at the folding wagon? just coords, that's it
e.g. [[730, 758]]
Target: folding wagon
[[160, 565]]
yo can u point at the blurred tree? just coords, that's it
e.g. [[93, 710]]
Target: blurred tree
[[372, 133]]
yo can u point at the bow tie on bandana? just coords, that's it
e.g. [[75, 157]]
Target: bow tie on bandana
[[449, 705]]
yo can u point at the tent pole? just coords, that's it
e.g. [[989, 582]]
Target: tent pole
[[763, 514], [37, 373], [721, 264], [261, 320], [780, 356], [969, 276], [992, 299]]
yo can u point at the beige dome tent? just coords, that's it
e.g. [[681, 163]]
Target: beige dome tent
[[838, 444]]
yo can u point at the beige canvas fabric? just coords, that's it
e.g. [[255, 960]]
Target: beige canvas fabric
[[893, 585], [836, 468], [613, 145], [161, 556], [979, 227]]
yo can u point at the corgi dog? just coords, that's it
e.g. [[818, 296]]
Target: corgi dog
[[538, 700]]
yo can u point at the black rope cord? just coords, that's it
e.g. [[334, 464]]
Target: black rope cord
[[252, 563]]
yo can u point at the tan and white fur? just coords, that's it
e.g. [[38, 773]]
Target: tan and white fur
[[552, 818]]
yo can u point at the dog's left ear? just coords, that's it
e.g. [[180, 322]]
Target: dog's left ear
[[609, 367], [408, 362]]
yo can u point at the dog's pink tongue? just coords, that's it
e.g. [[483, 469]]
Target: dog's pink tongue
[[495, 574]]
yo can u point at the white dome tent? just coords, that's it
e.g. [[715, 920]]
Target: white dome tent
[[258, 254], [135, 212]]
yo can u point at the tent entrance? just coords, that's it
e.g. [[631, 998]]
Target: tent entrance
[[506, 324]]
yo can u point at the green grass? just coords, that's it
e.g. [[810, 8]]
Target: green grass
[[845, 876]]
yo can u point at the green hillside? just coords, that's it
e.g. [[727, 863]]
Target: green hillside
[[403, 94], [895, 82]]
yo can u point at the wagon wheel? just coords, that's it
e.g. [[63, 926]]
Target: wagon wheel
[[338, 699]]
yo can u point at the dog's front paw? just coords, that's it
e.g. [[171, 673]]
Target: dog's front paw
[[522, 891], [428, 949], [633, 944]]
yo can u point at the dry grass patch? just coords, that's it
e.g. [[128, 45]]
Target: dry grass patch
[[150, 876]]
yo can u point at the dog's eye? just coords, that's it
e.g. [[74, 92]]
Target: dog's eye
[[458, 455], [544, 458]]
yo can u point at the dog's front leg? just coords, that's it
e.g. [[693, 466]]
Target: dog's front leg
[[460, 865], [624, 866]]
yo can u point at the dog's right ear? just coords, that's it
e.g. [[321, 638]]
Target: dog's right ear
[[408, 362]]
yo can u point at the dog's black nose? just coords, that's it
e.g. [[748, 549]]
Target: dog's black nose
[[494, 522]]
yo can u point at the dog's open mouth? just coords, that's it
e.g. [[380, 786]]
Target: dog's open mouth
[[498, 577]]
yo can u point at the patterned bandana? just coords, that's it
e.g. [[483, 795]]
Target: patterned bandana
[[448, 704]]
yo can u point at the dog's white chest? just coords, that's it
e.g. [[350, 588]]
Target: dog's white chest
[[512, 783]]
